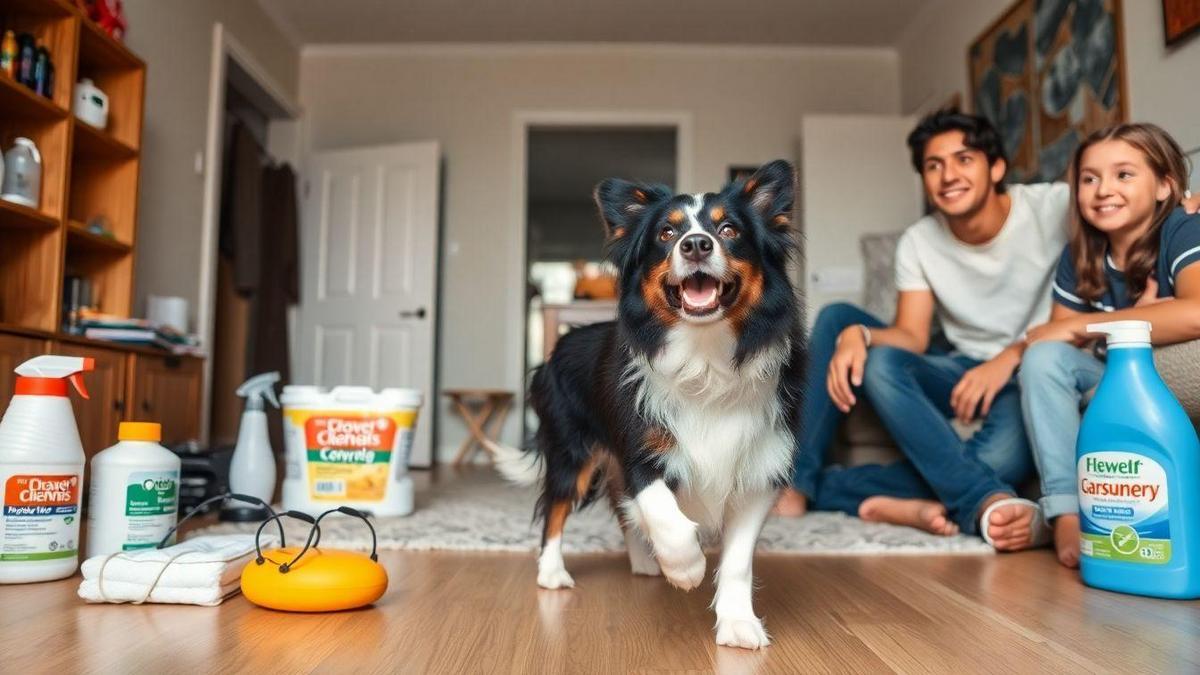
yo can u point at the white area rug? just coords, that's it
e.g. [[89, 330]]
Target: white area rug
[[493, 516]]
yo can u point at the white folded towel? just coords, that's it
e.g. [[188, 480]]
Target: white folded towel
[[200, 571]]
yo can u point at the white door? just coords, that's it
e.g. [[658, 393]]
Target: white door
[[370, 245]]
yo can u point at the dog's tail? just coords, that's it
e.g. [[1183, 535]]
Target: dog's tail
[[523, 467]]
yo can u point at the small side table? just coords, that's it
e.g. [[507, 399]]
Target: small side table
[[484, 411]]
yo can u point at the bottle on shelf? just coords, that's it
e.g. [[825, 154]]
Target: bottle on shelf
[[41, 72], [8, 54], [26, 57]]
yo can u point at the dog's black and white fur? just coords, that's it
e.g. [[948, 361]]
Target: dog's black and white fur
[[684, 410]]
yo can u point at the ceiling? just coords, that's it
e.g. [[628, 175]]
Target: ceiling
[[764, 22]]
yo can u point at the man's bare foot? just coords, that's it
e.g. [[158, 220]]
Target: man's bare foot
[[1010, 526], [922, 514], [1066, 539], [791, 504]]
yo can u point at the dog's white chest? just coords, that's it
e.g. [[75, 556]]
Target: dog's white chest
[[727, 422]]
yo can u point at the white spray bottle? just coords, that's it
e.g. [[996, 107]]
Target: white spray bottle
[[252, 469], [41, 472]]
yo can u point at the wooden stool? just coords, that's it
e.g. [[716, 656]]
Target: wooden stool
[[477, 406]]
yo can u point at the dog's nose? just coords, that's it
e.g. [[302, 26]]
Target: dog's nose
[[696, 247]]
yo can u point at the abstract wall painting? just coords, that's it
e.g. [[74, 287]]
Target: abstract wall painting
[[1047, 73]]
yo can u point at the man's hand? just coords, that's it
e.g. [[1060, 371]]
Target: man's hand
[[846, 367], [979, 386], [1191, 203]]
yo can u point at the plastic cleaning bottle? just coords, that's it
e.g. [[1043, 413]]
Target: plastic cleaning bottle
[[41, 470], [134, 497], [252, 469], [1138, 464]]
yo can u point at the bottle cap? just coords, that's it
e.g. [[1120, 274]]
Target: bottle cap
[[140, 431], [1123, 332]]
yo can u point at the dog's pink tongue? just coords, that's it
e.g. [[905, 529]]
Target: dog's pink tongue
[[699, 291]]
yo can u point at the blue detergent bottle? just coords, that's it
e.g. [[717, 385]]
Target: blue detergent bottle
[[1138, 468]]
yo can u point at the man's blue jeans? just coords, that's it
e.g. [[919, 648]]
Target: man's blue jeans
[[911, 394]]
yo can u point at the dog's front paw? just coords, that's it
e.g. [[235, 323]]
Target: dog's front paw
[[682, 563], [744, 632], [554, 576]]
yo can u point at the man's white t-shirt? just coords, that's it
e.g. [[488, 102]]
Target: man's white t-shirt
[[989, 294]]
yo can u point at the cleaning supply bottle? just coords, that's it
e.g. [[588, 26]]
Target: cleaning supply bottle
[[1138, 464], [252, 469], [134, 496], [41, 471]]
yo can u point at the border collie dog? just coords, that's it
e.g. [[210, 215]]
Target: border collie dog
[[683, 412]]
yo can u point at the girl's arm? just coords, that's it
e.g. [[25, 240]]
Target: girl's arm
[[1062, 326], [1175, 319]]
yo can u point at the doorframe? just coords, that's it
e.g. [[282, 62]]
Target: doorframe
[[226, 47], [522, 122]]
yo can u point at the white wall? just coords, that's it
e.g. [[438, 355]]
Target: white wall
[[1162, 84], [856, 179], [174, 38], [745, 107]]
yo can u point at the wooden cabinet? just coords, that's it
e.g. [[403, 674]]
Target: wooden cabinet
[[99, 416], [15, 350], [167, 390], [89, 175], [128, 383]]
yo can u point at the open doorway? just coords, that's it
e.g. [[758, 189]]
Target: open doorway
[[249, 188], [568, 281]]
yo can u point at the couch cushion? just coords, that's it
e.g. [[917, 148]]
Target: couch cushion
[[879, 273], [1179, 366]]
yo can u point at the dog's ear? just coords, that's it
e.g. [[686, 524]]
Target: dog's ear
[[770, 193], [622, 205]]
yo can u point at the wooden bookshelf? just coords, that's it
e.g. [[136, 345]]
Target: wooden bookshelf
[[88, 174]]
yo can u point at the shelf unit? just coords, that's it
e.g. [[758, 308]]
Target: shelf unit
[[86, 172]]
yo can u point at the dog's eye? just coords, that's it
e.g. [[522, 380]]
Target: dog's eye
[[666, 234], [728, 231]]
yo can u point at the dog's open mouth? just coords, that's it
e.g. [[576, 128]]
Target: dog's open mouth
[[701, 294]]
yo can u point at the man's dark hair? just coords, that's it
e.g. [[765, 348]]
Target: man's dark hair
[[978, 134]]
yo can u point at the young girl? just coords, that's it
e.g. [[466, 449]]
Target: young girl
[[1133, 254]]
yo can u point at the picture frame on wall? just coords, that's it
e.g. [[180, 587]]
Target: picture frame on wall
[[1047, 74], [739, 172], [1181, 20]]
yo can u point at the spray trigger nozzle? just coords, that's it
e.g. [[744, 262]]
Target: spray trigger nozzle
[[259, 387], [76, 381], [49, 367]]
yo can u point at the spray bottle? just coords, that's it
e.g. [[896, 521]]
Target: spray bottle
[[41, 472], [252, 469], [1138, 466]]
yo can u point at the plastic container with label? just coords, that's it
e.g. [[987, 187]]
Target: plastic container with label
[[134, 496], [1138, 465], [41, 472], [349, 446]]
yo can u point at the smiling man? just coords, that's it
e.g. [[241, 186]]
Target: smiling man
[[982, 264]]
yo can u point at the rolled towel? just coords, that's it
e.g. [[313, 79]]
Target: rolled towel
[[200, 571]]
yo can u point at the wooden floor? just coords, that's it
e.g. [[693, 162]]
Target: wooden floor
[[482, 613]]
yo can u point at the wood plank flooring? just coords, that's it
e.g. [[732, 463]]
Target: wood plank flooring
[[482, 613]]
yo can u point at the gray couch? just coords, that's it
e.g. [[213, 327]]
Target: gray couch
[[862, 438]]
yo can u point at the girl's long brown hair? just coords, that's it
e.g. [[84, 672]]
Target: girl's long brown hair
[[1088, 245]]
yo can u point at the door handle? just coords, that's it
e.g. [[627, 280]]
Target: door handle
[[418, 313]]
